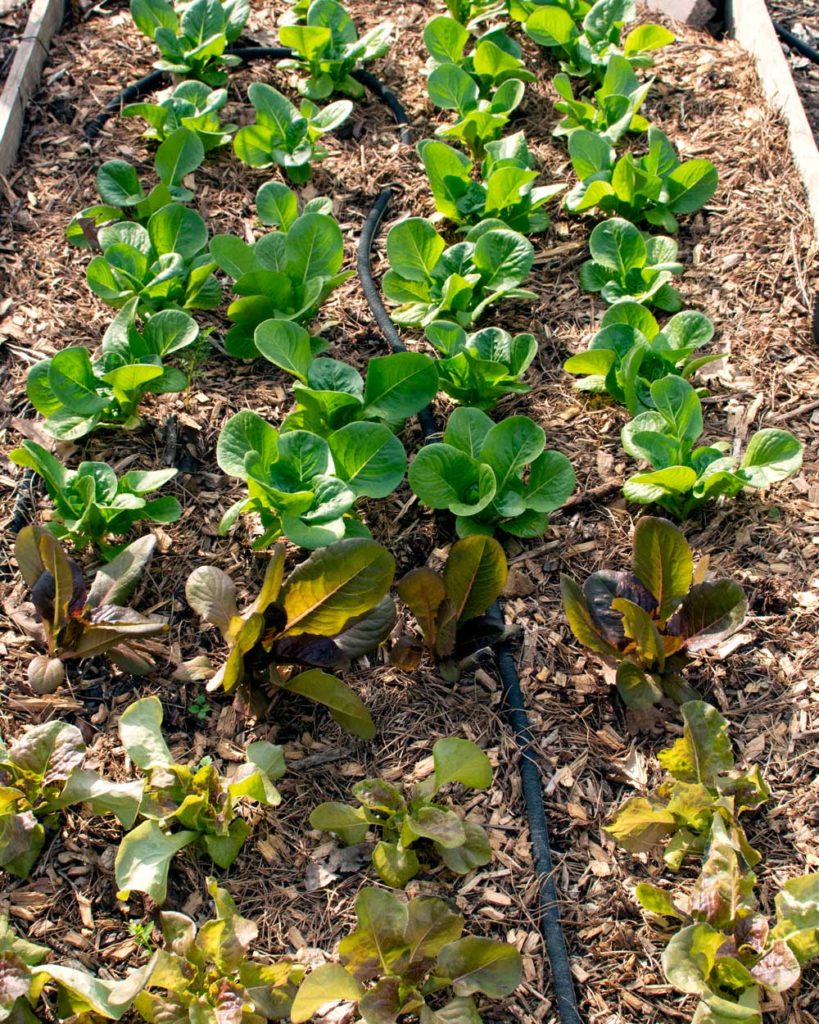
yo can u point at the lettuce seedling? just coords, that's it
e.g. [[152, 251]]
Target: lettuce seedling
[[585, 49], [123, 196], [412, 821], [630, 352], [628, 264], [285, 275], [193, 45], [479, 369], [76, 395], [492, 475], [431, 282], [449, 607], [650, 621], [505, 190], [41, 773], [684, 477], [652, 188], [520, 10], [333, 607], [471, 13], [80, 623], [191, 105], [286, 136], [164, 265], [402, 953], [203, 973], [91, 503], [328, 48], [495, 58], [480, 120], [183, 804], [614, 109], [303, 486], [330, 394]]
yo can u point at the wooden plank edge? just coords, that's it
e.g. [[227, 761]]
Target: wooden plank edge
[[44, 20], [751, 25]]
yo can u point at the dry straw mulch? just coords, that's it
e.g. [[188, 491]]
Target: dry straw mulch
[[750, 264]]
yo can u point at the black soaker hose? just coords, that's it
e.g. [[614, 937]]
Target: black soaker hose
[[549, 904], [796, 43]]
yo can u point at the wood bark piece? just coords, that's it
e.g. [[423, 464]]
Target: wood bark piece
[[44, 19], [750, 24], [689, 12]]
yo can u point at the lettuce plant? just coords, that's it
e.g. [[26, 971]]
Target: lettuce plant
[[203, 973], [412, 821], [191, 105], [402, 953], [330, 394], [650, 621], [284, 135], [286, 274], [492, 475], [76, 395], [520, 10], [91, 503], [479, 369], [684, 477], [495, 57], [183, 804], [303, 486], [654, 188], [41, 773], [80, 623], [630, 352], [471, 13], [328, 48], [332, 607], [431, 282], [123, 196], [449, 607], [481, 120], [628, 264], [504, 190], [612, 112], [584, 49], [164, 264], [193, 42]]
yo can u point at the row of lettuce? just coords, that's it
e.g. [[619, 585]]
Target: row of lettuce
[[155, 262]]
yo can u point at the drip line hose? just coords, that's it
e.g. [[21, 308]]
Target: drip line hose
[[796, 43], [531, 781]]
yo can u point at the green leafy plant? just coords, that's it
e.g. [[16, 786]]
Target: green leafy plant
[[628, 264], [164, 264], [183, 804], [40, 774], [495, 58], [505, 191], [287, 136], [191, 105], [654, 188], [333, 607], [193, 43], [479, 369], [123, 196], [328, 48], [411, 820], [520, 10], [91, 503], [630, 352], [478, 472], [650, 621], [76, 395], [202, 973], [481, 120], [286, 274], [449, 607], [472, 12], [684, 477], [585, 49], [199, 707], [401, 954], [431, 282], [614, 109], [80, 623], [303, 486], [331, 394]]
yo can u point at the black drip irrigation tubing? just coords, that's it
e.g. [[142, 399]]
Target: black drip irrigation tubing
[[531, 781], [796, 43]]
